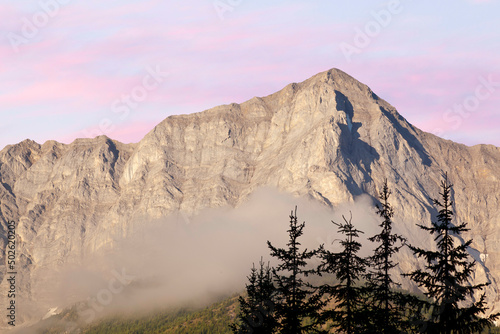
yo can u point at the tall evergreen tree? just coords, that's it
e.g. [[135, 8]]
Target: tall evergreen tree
[[296, 300], [256, 313], [349, 316], [446, 278], [386, 305]]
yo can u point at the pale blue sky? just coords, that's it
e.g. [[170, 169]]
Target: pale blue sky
[[68, 75]]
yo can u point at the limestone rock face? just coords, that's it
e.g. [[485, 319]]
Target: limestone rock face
[[329, 138]]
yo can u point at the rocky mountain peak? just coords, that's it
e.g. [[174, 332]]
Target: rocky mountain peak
[[329, 138]]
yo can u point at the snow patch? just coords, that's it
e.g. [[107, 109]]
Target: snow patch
[[52, 311], [349, 123], [483, 257]]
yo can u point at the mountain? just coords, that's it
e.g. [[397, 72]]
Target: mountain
[[329, 138]]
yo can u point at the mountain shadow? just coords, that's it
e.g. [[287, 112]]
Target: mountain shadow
[[356, 151], [409, 137]]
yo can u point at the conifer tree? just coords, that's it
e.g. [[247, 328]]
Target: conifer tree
[[446, 278], [386, 305], [256, 313], [296, 300], [349, 315]]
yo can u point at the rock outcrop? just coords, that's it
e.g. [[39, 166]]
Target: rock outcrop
[[329, 138]]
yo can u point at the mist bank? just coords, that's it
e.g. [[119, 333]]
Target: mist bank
[[181, 260]]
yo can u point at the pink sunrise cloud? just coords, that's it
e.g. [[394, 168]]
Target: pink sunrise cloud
[[92, 54]]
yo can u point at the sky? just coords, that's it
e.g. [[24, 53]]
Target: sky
[[77, 69]]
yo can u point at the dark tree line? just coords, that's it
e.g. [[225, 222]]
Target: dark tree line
[[446, 277], [348, 269], [295, 300], [387, 305], [360, 294], [257, 309]]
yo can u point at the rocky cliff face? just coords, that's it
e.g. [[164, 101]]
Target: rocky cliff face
[[329, 138]]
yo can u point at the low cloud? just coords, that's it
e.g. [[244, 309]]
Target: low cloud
[[178, 260]]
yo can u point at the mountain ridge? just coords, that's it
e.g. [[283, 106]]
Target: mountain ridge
[[330, 138]]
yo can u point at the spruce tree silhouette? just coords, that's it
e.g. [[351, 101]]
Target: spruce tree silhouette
[[349, 316], [386, 306], [446, 277], [256, 313], [298, 304]]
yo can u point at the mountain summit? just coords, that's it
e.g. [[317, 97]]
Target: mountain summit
[[329, 138]]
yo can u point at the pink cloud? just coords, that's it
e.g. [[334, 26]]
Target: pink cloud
[[91, 54], [131, 132]]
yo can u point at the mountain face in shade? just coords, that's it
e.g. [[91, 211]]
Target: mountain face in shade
[[329, 138]]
